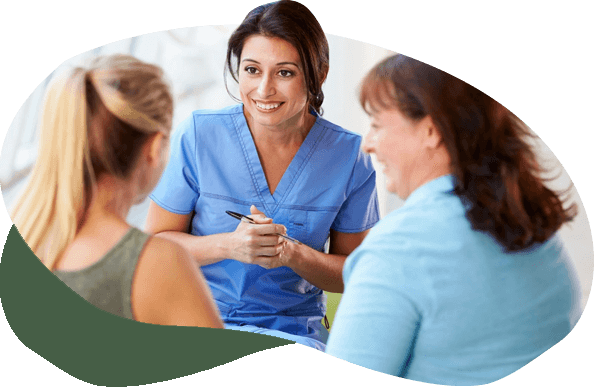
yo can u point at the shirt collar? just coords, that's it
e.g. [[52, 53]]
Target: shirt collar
[[442, 184]]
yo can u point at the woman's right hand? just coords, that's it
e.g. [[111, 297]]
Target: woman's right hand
[[249, 243], [256, 243]]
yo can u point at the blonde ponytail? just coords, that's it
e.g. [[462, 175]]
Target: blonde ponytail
[[48, 213], [81, 138], [118, 89]]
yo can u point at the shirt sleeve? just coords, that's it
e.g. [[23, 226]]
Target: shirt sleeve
[[377, 320], [360, 210], [178, 189]]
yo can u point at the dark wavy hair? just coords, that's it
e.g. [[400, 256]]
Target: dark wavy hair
[[497, 174], [293, 22]]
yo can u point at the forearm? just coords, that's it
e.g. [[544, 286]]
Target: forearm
[[203, 249], [321, 270]]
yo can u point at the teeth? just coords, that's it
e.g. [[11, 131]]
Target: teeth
[[267, 106]]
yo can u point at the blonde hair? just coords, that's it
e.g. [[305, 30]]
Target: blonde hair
[[94, 121]]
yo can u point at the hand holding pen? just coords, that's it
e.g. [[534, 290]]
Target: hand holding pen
[[247, 219], [257, 240]]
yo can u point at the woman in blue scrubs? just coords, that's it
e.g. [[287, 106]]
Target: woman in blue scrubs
[[274, 158]]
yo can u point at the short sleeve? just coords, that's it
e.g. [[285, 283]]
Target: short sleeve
[[377, 321], [178, 189], [360, 210]]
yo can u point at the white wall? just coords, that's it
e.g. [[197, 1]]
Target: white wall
[[193, 60], [350, 60]]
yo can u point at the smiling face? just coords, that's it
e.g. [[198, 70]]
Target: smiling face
[[394, 140], [410, 151], [272, 84]]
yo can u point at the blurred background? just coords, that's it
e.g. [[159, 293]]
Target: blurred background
[[193, 60]]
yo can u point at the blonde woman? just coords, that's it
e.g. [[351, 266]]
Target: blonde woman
[[105, 138]]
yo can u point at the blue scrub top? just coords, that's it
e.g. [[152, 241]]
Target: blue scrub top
[[214, 167]]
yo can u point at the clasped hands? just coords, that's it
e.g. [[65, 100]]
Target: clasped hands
[[257, 244]]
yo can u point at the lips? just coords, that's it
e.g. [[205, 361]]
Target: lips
[[268, 106]]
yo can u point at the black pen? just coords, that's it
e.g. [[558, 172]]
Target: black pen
[[244, 218]]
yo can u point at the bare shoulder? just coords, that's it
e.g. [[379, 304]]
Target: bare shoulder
[[162, 248], [169, 289], [160, 244]]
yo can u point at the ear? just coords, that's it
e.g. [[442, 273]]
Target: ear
[[153, 149], [432, 135]]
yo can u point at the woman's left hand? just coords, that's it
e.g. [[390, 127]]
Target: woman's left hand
[[320, 269], [270, 262]]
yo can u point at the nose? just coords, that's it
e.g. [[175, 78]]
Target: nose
[[368, 143], [266, 87]]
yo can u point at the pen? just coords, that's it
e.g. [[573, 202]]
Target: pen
[[244, 218]]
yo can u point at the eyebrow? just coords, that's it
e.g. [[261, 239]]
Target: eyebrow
[[278, 64]]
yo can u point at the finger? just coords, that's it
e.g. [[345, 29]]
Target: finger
[[259, 217], [269, 251], [270, 240], [271, 228], [267, 262], [255, 211]]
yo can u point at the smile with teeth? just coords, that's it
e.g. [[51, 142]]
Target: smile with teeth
[[267, 106]]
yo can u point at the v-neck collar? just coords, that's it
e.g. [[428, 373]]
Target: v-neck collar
[[270, 201]]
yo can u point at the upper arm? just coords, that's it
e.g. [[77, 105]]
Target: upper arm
[[178, 188], [360, 209], [169, 289], [159, 219], [344, 243], [377, 321]]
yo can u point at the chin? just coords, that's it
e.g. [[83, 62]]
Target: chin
[[139, 199], [393, 188]]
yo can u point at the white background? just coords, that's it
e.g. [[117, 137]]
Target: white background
[[193, 59]]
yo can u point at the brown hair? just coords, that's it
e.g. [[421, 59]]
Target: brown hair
[[293, 22], [497, 174]]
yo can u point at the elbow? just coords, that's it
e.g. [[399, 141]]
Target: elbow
[[333, 287]]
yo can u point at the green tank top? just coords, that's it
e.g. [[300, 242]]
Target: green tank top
[[107, 284]]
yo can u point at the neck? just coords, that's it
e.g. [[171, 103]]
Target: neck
[[436, 165], [111, 200], [290, 132]]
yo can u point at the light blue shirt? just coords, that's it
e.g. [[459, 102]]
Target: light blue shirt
[[329, 184], [429, 299]]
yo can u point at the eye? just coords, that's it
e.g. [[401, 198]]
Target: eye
[[285, 73], [251, 70]]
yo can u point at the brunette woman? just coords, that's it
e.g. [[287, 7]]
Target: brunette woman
[[271, 157], [468, 281]]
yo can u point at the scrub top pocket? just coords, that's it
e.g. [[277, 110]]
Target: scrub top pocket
[[310, 226], [297, 225]]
